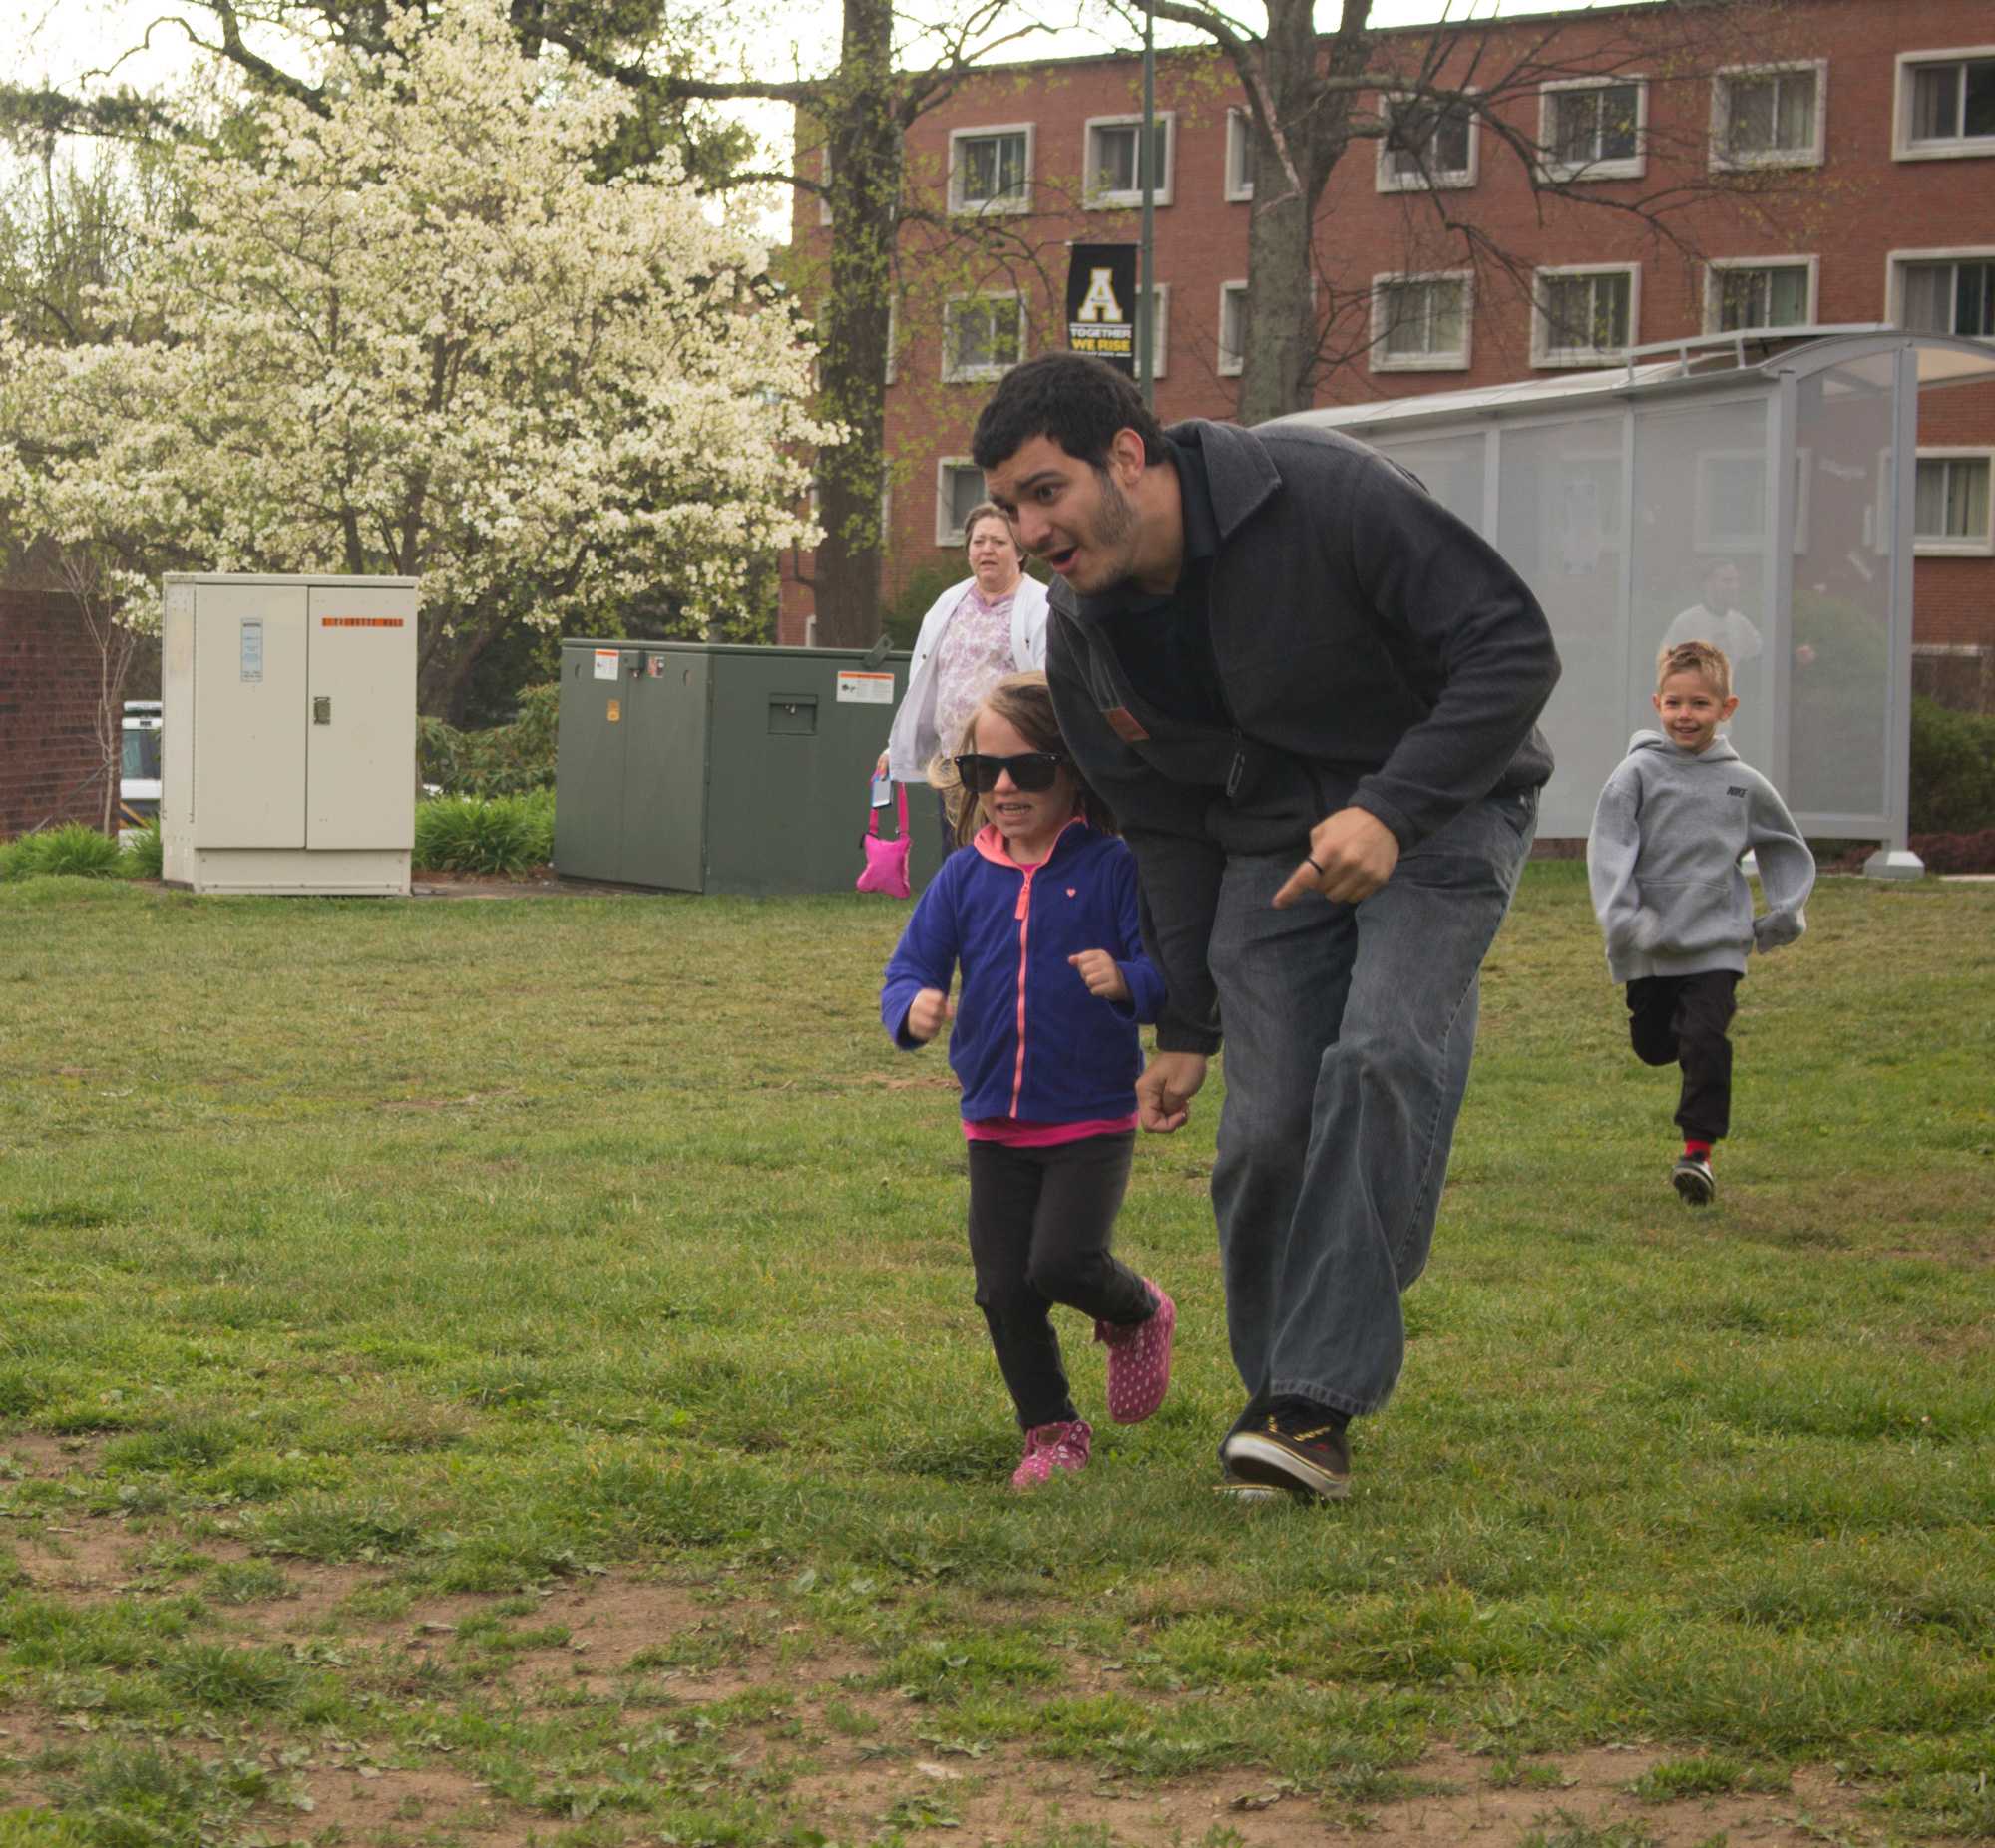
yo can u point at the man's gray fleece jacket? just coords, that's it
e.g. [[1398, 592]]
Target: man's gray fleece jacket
[[1663, 859], [1372, 650]]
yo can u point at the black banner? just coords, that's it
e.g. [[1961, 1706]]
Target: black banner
[[1101, 303]]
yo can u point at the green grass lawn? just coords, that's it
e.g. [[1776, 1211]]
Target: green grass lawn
[[361, 1260]]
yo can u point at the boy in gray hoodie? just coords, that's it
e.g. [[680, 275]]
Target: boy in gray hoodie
[[1676, 818]]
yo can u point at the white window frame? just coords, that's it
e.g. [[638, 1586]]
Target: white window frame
[[1940, 547], [1239, 140], [953, 374], [946, 465], [1383, 361], [1229, 365], [1903, 146], [893, 337], [1097, 198], [824, 174], [1627, 167], [1442, 179], [1897, 261], [1716, 270], [1544, 354], [1724, 160], [1161, 333], [962, 208]]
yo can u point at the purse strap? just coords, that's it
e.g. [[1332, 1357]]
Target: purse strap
[[873, 813]]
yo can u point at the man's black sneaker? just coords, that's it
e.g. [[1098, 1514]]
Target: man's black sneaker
[[1299, 1447], [1242, 1493], [1694, 1181]]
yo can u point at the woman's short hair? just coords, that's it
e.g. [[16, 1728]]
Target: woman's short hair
[[990, 509]]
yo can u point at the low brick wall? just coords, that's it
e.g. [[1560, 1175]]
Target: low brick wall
[[50, 767]]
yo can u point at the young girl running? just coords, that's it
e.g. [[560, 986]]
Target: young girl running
[[1041, 918]]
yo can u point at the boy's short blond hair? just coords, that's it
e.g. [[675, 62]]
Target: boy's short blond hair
[[1695, 657]]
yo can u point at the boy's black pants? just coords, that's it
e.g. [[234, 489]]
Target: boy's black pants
[[1041, 1219], [1681, 1019]]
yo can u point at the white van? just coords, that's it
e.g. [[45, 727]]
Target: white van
[[139, 767]]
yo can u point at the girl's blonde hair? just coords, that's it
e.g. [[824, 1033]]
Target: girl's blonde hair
[[1023, 702]]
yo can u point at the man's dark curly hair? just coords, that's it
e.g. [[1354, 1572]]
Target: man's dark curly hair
[[1077, 401]]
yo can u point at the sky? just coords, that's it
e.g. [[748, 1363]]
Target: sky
[[61, 39]]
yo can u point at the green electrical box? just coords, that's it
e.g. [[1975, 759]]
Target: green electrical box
[[709, 767]]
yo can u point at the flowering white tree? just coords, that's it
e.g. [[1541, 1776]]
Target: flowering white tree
[[413, 335]]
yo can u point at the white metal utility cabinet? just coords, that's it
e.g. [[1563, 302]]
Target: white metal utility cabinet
[[290, 714]]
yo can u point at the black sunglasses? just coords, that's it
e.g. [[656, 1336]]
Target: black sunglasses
[[1030, 770]]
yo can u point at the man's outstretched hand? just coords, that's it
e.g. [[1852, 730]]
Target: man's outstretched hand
[[1353, 854], [1165, 1090]]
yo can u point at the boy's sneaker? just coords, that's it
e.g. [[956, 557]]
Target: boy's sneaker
[[1051, 1447], [1300, 1447], [1692, 1177], [1139, 1360]]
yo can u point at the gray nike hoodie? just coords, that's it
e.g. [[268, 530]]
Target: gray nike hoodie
[[1663, 859]]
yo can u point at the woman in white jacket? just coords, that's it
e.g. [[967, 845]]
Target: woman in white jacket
[[991, 624]]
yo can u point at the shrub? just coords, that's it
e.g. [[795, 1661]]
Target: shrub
[[72, 847], [143, 857], [506, 760], [1953, 769], [470, 834]]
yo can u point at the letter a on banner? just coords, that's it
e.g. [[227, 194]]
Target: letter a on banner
[[1100, 302]]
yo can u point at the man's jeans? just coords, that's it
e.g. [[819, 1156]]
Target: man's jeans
[[1349, 1032]]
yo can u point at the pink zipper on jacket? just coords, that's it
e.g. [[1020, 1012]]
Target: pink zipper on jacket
[[1025, 916], [991, 843]]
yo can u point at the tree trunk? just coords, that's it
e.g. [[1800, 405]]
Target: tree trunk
[[1292, 165], [864, 135], [1279, 327]]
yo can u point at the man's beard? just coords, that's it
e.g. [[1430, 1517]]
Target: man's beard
[[1116, 520]]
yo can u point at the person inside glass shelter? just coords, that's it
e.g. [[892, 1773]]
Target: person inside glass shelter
[[1715, 619]]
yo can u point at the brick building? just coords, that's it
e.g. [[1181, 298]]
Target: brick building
[[51, 765], [1872, 123]]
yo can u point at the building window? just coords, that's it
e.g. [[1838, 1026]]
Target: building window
[[1593, 130], [1944, 292], [1239, 154], [1421, 323], [1231, 329], [1950, 503], [1945, 105], [959, 488], [1767, 116], [991, 169], [983, 337], [1115, 159], [1743, 292], [1426, 144], [1583, 316], [1731, 501]]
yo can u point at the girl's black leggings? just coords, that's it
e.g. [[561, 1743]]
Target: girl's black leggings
[[1040, 1221]]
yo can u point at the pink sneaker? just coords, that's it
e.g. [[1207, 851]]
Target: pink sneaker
[[1053, 1446], [1139, 1360]]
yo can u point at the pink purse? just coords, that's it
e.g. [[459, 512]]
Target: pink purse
[[886, 868]]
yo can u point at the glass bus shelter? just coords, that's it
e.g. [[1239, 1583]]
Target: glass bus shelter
[[1753, 489]]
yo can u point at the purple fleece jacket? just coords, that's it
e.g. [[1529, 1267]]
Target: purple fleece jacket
[[1029, 1041]]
